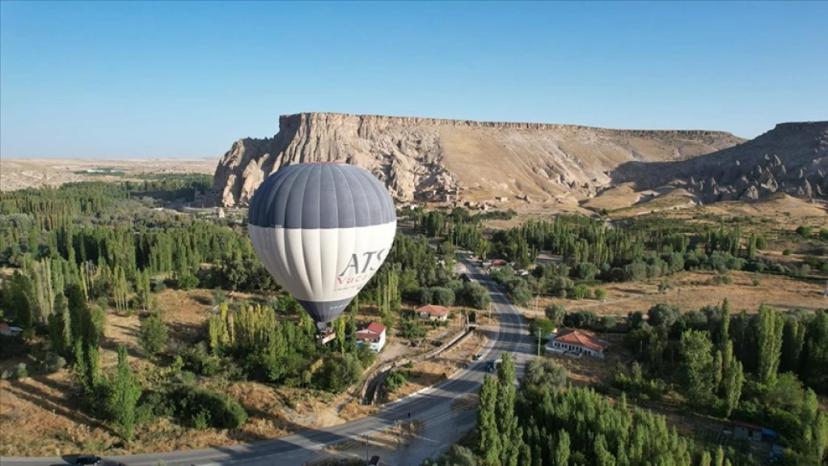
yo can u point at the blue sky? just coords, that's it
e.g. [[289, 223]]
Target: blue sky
[[121, 79]]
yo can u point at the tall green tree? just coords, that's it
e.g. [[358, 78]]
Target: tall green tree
[[733, 379], [510, 432], [697, 369], [60, 327], [561, 451], [769, 344], [489, 443], [124, 395]]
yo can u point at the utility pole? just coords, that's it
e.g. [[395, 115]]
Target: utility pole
[[537, 327]]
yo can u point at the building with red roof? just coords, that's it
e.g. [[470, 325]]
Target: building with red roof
[[433, 312], [373, 335], [577, 342]]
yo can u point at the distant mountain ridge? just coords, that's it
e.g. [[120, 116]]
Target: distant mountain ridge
[[426, 159]]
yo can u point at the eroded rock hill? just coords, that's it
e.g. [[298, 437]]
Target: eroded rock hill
[[792, 158], [425, 159]]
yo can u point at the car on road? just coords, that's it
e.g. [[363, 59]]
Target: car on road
[[94, 460], [492, 365], [88, 460]]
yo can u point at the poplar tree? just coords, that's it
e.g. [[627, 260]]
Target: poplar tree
[[124, 395], [720, 457], [697, 365], [120, 289], [489, 443], [561, 452], [722, 334], [507, 421], [60, 329], [769, 344], [733, 379]]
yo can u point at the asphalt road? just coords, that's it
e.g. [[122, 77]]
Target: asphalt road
[[444, 420]]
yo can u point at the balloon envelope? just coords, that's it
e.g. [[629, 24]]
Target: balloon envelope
[[322, 231]]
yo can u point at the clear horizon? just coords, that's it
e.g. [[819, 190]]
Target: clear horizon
[[185, 80]]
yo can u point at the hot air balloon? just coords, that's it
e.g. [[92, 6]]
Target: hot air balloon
[[322, 230]]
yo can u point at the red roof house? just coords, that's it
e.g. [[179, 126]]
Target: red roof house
[[578, 342], [433, 312], [373, 335]]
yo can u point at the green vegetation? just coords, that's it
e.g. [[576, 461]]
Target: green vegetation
[[153, 335], [74, 254], [730, 366], [547, 422]]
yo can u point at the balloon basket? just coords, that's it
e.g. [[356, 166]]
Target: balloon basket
[[325, 335]]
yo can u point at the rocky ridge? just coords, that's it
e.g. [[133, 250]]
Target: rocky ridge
[[791, 158], [426, 159]]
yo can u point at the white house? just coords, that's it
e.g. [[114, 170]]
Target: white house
[[373, 335], [577, 343]]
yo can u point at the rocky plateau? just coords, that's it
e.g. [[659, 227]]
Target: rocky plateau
[[486, 163]]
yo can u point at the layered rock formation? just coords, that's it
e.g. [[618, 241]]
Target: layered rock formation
[[424, 159], [791, 158]]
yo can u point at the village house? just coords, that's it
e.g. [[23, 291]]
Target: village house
[[577, 342], [9, 330], [433, 313], [373, 335]]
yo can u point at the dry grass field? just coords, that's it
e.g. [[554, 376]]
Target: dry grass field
[[693, 290]]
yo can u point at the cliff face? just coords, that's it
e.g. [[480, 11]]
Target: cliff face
[[424, 159], [791, 158]]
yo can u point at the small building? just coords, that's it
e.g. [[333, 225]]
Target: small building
[[495, 263], [577, 343], [433, 312], [373, 335], [9, 330], [747, 431]]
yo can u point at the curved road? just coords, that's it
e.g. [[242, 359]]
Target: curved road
[[443, 420]]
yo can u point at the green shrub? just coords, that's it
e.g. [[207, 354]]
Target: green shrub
[[21, 371], [580, 291], [542, 326], [474, 295], [197, 407], [338, 372], [803, 230], [412, 329], [442, 296], [52, 363], [198, 360], [424, 295], [395, 380], [581, 319], [153, 334], [555, 313]]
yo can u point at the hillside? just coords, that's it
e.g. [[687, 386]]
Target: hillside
[[424, 159], [791, 158]]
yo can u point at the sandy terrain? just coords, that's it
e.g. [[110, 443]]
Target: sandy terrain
[[27, 173]]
